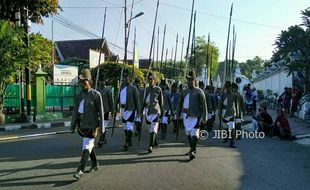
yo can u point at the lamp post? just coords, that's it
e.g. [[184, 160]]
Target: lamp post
[[127, 23]]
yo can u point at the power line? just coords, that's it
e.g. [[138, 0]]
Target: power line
[[65, 22], [222, 17]]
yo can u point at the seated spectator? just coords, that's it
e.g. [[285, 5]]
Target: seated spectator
[[263, 121], [282, 127]]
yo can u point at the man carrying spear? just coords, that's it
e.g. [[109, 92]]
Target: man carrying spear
[[167, 107], [153, 106], [130, 104], [192, 104]]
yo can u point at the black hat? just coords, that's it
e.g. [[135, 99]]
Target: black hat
[[85, 75], [151, 76], [234, 85], [137, 80], [227, 84], [191, 75], [163, 82], [201, 83], [175, 84], [209, 87]]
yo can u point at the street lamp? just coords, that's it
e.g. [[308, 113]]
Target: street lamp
[[127, 33]]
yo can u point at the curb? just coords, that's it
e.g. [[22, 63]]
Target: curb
[[41, 125], [44, 125]]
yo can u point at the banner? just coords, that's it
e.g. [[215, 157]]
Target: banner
[[65, 74]]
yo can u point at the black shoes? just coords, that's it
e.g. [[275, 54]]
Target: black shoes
[[192, 155], [93, 168], [78, 174], [150, 149]]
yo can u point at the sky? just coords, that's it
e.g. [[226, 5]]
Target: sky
[[257, 23]]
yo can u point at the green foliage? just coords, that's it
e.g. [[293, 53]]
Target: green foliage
[[11, 53], [260, 94], [40, 50], [201, 50], [158, 75], [111, 71], [255, 64], [296, 39], [38, 9]]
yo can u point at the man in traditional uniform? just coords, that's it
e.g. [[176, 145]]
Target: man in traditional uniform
[[106, 94], [213, 101], [174, 100], [240, 109], [137, 120], [87, 118], [192, 104], [153, 105], [228, 111], [167, 107], [207, 96], [130, 106]]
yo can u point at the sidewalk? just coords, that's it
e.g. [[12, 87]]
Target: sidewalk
[[299, 127]]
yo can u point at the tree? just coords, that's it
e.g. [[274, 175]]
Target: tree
[[11, 53], [37, 9], [296, 39], [201, 55], [110, 71], [248, 66], [40, 50]]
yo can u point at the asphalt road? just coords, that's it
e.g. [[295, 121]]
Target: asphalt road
[[48, 162]]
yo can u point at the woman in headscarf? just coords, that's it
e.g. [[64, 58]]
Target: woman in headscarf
[[281, 126]]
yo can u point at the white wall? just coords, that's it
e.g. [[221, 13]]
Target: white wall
[[275, 82]]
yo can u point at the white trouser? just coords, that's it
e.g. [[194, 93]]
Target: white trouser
[[164, 120], [153, 127], [88, 144], [128, 126], [254, 125]]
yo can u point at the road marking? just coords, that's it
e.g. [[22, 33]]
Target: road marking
[[8, 138]]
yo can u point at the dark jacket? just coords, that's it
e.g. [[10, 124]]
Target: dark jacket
[[107, 99], [167, 101], [156, 100], [197, 103], [132, 98], [93, 110], [232, 104]]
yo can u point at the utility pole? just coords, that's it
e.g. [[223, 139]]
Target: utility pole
[[162, 50], [21, 78]]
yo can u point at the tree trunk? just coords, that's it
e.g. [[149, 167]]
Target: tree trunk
[[2, 116]]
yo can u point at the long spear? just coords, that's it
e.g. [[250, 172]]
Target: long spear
[[102, 44], [194, 44], [226, 58], [175, 54], [210, 79], [171, 62], [233, 49], [162, 50], [149, 69], [181, 55], [207, 61], [166, 61], [157, 65], [188, 40]]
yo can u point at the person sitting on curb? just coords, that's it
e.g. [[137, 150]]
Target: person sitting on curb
[[281, 127], [264, 121]]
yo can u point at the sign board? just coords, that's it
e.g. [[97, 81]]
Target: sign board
[[66, 74], [94, 58]]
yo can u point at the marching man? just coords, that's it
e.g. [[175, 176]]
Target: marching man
[[193, 106], [153, 105], [107, 101], [228, 111], [87, 114], [130, 104], [167, 107]]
